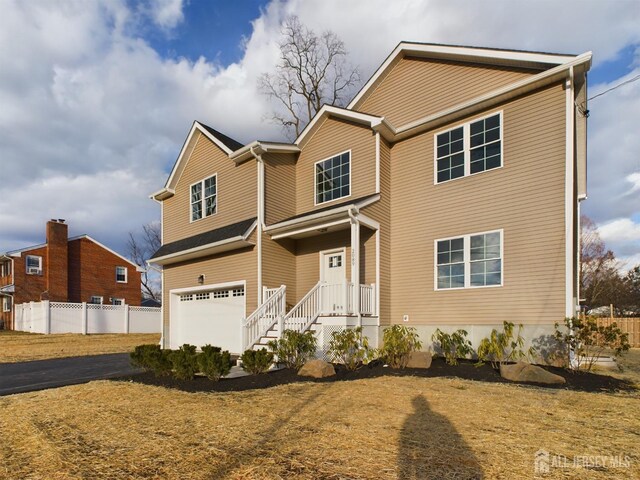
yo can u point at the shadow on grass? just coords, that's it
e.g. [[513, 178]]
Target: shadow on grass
[[431, 448]]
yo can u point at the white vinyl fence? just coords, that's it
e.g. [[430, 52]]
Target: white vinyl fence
[[59, 317]]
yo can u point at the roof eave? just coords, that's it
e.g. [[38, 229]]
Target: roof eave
[[226, 245]]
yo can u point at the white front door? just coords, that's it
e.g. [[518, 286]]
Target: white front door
[[333, 273]]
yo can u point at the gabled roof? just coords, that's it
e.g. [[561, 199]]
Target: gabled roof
[[19, 252], [224, 143], [221, 239], [492, 56]]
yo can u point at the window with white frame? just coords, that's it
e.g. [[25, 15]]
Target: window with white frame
[[96, 300], [117, 301], [6, 304], [469, 261], [204, 196], [34, 265], [470, 148], [333, 178], [121, 274]]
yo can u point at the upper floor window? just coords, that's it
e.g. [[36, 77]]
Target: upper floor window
[[469, 261], [204, 198], [121, 274], [333, 178], [34, 265], [469, 148], [5, 269]]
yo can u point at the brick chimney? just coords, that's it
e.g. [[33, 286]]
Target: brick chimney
[[57, 261]]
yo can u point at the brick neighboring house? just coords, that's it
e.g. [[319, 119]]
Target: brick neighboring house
[[77, 269]]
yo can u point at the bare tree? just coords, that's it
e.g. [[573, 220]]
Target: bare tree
[[600, 280], [312, 71], [140, 249]]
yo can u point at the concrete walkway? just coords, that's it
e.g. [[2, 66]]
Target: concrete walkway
[[59, 372]]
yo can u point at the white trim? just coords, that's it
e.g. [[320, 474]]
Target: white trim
[[240, 240], [260, 221], [568, 198], [213, 286], [378, 236], [343, 251], [126, 274], [258, 148], [368, 221], [326, 213], [315, 180], [467, 261], [18, 253], [483, 55], [377, 162], [195, 127], [300, 231], [466, 138], [202, 199]]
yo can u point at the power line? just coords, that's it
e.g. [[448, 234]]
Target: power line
[[637, 77]]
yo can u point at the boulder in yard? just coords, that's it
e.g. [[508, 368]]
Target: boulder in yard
[[419, 360], [525, 372], [317, 369]]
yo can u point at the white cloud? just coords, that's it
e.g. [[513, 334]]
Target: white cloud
[[92, 117]]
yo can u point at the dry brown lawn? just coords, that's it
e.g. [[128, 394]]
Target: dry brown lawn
[[23, 347], [382, 428]]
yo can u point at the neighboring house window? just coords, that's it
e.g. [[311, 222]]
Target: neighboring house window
[[96, 300], [34, 265], [469, 261], [333, 178], [469, 149], [117, 301], [121, 274], [6, 269], [6, 304], [204, 198]]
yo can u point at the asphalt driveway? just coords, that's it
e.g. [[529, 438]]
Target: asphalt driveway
[[39, 375]]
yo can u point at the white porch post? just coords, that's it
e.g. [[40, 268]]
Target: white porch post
[[355, 267]]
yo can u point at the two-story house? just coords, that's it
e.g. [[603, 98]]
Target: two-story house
[[63, 269], [446, 195]]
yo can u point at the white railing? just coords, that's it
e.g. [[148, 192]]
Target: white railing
[[306, 311], [64, 317], [367, 299], [265, 316], [340, 298]]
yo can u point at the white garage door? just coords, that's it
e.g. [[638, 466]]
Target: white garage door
[[209, 317]]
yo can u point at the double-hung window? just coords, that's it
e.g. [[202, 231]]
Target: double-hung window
[[121, 274], [468, 149], [469, 261], [34, 265], [204, 198], [333, 178]]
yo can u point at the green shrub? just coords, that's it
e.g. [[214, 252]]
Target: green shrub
[[503, 347], [152, 358], [587, 340], [398, 343], [453, 345], [256, 361], [293, 349], [214, 363], [350, 348], [185, 362]]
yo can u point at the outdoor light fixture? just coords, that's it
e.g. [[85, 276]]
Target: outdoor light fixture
[[201, 279]]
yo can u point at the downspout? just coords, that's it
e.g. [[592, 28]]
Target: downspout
[[260, 227], [355, 262]]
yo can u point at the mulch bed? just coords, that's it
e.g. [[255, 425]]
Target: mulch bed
[[578, 381]]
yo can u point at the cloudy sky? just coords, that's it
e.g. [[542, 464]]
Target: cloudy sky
[[96, 97]]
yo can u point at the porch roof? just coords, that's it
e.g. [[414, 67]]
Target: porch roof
[[229, 237]]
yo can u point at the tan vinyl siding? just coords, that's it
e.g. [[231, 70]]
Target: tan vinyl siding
[[581, 135], [280, 186], [236, 189], [279, 265], [308, 258], [525, 198], [419, 87], [332, 138], [381, 211], [237, 265], [367, 256]]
